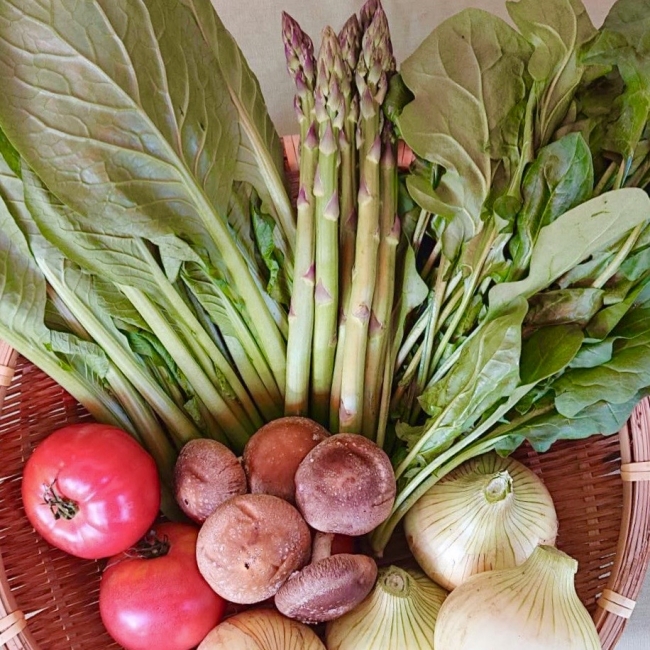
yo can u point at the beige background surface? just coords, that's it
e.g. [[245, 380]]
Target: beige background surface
[[256, 26]]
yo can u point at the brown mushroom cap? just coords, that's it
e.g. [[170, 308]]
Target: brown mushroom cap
[[345, 485], [206, 474], [250, 545], [272, 455], [327, 589]]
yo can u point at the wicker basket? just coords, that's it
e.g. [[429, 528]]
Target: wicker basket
[[48, 600]]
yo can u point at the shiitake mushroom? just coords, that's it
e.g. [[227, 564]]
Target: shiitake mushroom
[[206, 474], [272, 455], [250, 545]]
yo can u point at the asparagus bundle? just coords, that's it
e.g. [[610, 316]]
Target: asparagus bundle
[[355, 176]]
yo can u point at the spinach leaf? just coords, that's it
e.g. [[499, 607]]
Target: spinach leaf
[[466, 78], [616, 381], [573, 237], [486, 371], [560, 178], [548, 351], [602, 418], [557, 29], [623, 42], [564, 306]]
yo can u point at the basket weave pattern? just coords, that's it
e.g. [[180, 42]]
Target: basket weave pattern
[[604, 520]]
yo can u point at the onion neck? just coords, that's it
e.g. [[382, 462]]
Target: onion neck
[[551, 561], [498, 487], [396, 582]]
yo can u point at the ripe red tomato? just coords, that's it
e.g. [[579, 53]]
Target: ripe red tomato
[[91, 490], [159, 602]]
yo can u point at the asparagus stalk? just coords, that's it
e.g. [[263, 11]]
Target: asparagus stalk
[[299, 52], [301, 314], [375, 63], [330, 114], [382, 302], [350, 42]]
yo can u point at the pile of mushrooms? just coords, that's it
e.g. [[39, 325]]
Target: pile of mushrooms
[[268, 522]]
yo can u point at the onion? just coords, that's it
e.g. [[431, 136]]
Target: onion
[[261, 629], [489, 513], [533, 606], [399, 613]]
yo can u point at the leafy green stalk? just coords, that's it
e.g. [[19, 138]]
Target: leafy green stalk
[[260, 141], [180, 426], [240, 342], [231, 418]]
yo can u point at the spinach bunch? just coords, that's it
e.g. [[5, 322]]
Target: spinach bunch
[[530, 218]]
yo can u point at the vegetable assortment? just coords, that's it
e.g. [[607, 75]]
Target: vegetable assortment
[[153, 262]]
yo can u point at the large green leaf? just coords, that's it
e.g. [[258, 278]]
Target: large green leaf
[[548, 351], [109, 103], [573, 237], [467, 77], [22, 316], [259, 156]]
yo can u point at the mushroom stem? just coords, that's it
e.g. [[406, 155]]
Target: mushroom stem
[[321, 546]]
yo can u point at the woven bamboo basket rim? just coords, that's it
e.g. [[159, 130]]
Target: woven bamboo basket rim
[[48, 599]]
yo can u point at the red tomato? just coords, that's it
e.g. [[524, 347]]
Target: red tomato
[[91, 490], [159, 602]]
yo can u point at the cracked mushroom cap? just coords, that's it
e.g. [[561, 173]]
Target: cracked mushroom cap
[[327, 589], [272, 455], [250, 545], [206, 474], [345, 485]]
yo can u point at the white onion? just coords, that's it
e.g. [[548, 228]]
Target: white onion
[[533, 606], [489, 513], [399, 614], [261, 629]]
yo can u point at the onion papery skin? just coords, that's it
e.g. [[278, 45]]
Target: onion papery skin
[[261, 629], [399, 614], [489, 513], [532, 607]]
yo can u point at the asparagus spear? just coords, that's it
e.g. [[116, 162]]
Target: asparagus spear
[[330, 114], [375, 64], [382, 302], [299, 52], [350, 42], [301, 314]]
